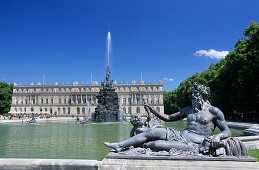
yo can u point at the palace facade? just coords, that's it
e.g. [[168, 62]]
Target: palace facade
[[80, 99]]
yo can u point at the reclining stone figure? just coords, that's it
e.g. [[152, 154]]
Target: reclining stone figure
[[202, 119]]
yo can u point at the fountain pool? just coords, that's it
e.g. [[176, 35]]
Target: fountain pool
[[65, 140]]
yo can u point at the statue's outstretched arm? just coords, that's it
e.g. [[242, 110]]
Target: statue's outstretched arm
[[165, 117]]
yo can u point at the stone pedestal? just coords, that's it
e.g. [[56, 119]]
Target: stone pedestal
[[138, 164], [116, 161]]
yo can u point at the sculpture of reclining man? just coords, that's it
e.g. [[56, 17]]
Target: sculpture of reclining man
[[202, 118]]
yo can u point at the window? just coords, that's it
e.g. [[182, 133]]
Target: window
[[83, 110], [152, 100], [124, 100], [124, 110], [89, 99], [41, 101], [47, 101], [129, 100], [51, 101], [32, 109], [84, 99], [33, 99], [59, 101], [40, 109], [129, 110], [138, 110], [79, 99], [46, 109], [158, 109], [138, 99], [74, 98], [78, 110]]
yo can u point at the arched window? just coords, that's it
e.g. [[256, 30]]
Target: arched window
[[64, 110], [83, 110], [32, 109], [58, 110], [138, 110], [78, 110], [129, 110], [158, 109], [124, 110]]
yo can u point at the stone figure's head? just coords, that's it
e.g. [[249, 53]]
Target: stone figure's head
[[136, 120], [200, 95]]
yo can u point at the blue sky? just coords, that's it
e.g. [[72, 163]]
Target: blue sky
[[66, 39]]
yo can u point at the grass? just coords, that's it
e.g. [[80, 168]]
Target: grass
[[254, 153]]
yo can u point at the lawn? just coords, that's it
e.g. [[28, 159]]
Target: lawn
[[254, 153]]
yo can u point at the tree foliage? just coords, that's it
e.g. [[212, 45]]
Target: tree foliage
[[5, 97], [234, 81]]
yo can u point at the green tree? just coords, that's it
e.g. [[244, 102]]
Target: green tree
[[234, 81], [5, 97]]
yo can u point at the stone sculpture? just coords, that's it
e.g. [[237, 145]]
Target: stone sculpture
[[107, 109], [196, 139]]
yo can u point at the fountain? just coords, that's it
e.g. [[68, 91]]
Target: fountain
[[107, 109], [120, 116]]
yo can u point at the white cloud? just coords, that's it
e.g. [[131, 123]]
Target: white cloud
[[168, 79], [211, 53]]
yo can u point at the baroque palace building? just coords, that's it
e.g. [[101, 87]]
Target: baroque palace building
[[80, 99]]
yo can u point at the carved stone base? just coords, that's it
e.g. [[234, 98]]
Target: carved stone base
[[116, 161], [156, 164], [113, 155]]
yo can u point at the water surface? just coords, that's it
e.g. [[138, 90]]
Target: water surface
[[65, 140]]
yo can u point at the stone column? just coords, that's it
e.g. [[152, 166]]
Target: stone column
[[24, 97], [72, 99], [81, 98], [92, 99]]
